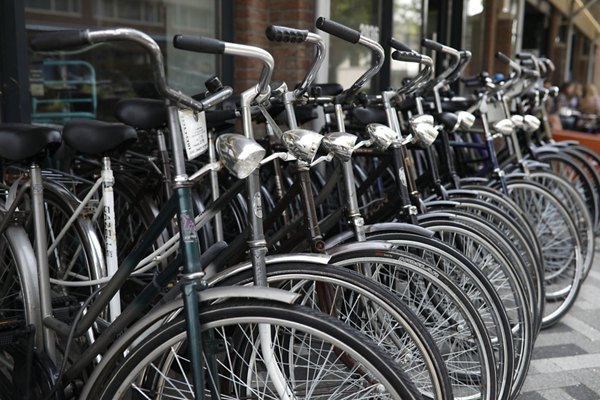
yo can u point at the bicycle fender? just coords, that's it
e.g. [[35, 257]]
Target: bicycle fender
[[358, 246], [537, 165], [320, 259], [399, 227], [251, 292], [474, 181], [463, 193], [157, 316]]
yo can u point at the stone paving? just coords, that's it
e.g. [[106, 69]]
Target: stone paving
[[566, 359]]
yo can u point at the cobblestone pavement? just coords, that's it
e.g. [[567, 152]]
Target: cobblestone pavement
[[566, 359]]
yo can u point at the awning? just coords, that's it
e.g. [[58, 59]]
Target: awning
[[584, 19]]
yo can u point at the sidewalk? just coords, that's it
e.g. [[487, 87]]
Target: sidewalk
[[566, 359]]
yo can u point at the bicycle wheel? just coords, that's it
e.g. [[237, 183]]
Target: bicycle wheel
[[487, 251], [579, 174], [19, 303], [578, 210], [473, 360], [368, 307], [517, 236], [314, 356], [77, 256], [561, 249]]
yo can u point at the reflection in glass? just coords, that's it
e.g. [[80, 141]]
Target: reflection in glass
[[408, 19], [61, 89], [347, 61]]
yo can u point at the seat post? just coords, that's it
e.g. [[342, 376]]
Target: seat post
[[41, 249], [110, 233]]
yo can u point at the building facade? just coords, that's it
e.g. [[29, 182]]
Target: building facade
[[36, 85]]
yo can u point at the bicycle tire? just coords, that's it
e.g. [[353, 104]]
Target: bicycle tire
[[363, 303], [433, 296], [562, 254], [226, 321]]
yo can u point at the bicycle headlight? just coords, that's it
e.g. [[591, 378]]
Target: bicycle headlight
[[465, 119], [341, 144], [531, 123], [240, 155], [504, 126], [382, 136], [302, 143]]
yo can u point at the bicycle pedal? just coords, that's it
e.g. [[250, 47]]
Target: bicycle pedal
[[65, 308], [14, 331]]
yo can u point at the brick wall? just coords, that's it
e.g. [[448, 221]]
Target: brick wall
[[252, 17]]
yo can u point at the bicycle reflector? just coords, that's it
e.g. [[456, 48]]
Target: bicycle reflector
[[240, 155], [302, 143]]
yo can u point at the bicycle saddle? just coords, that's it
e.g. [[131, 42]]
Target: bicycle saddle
[[363, 115], [23, 141], [448, 119], [144, 114], [96, 137]]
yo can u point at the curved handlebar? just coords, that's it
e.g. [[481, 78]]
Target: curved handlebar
[[407, 56], [398, 45], [353, 36], [199, 44], [506, 60], [208, 45], [432, 45], [336, 29], [284, 34], [66, 39], [58, 40]]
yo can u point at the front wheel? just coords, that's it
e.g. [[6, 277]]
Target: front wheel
[[315, 356]]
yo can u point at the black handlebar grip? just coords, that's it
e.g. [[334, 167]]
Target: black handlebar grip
[[283, 34], [432, 45], [503, 58], [472, 81], [549, 64], [199, 44], [398, 45], [524, 56], [530, 73], [407, 56], [337, 29], [58, 40]]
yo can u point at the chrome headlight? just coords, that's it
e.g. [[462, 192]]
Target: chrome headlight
[[302, 143], [240, 155], [382, 136], [341, 144]]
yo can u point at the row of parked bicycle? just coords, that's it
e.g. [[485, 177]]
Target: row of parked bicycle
[[413, 248]]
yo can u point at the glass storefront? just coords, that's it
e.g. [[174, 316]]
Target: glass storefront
[[348, 61], [88, 82], [408, 22]]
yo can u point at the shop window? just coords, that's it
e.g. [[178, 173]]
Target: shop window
[[89, 82], [347, 62], [407, 25], [54, 6]]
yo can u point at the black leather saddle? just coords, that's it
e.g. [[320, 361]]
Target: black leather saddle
[[97, 137], [24, 141]]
